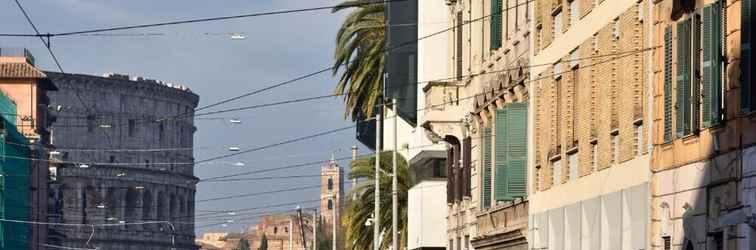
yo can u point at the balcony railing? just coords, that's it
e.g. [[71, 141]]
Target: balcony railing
[[503, 218]]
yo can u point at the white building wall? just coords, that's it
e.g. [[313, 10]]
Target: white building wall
[[427, 215]]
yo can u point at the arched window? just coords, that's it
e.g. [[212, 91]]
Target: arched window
[[147, 206], [330, 183], [131, 205], [275, 230], [330, 204]]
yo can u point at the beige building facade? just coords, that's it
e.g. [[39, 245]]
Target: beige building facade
[[705, 131], [488, 89], [589, 150]]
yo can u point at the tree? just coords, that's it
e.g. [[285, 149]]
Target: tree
[[358, 235], [243, 244], [359, 57], [263, 243]]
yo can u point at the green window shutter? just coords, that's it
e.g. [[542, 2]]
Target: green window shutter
[[748, 90], [517, 150], [500, 154], [511, 152], [668, 84], [683, 78], [496, 21], [711, 64], [486, 156], [693, 83]]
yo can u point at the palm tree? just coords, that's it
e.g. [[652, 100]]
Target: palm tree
[[358, 235], [359, 57]]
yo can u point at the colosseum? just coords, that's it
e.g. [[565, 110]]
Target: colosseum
[[143, 183]]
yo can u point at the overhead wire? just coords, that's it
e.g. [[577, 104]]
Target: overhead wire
[[429, 106]]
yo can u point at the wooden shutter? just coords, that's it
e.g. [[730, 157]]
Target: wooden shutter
[[457, 173], [668, 84], [486, 156], [496, 21], [449, 176], [748, 90], [466, 166], [500, 155], [683, 78], [511, 152], [694, 75], [712, 61], [517, 150]]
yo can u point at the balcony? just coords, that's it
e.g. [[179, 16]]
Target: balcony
[[509, 219], [442, 102]]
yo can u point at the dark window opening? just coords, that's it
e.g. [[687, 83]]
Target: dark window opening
[[330, 204], [330, 183], [132, 127]]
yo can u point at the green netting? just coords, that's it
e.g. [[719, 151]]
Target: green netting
[[14, 182]]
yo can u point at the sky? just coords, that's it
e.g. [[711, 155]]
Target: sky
[[276, 48]]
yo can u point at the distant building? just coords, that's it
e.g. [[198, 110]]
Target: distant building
[[276, 229], [28, 87], [111, 133]]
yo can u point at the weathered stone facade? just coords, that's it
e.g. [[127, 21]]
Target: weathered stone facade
[[136, 147]]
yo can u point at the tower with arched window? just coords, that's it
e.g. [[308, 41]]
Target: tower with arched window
[[331, 193]]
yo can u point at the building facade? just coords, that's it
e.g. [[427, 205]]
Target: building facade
[[704, 155], [484, 109], [589, 161], [28, 87], [114, 164], [276, 229]]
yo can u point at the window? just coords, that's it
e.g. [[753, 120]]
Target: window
[[574, 12], [451, 244], [668, 84], [330, 183], [459, 243], [667, 242], [594, 156], [572, 160], [286, 229], [330, 204], [460, 40], [712, 64], [132, 127], [487, 168], [558, 25], [537, 178], [496, 22], [639, 143], [687, 64], [161, 131], [275, 230], [556, 172], [112, 159], [510, 174], [639, 7], [595, 42], [748, 92], [90, 123], [615, 148], [467, 242]]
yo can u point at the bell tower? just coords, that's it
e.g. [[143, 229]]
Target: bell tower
[[331, 193]]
